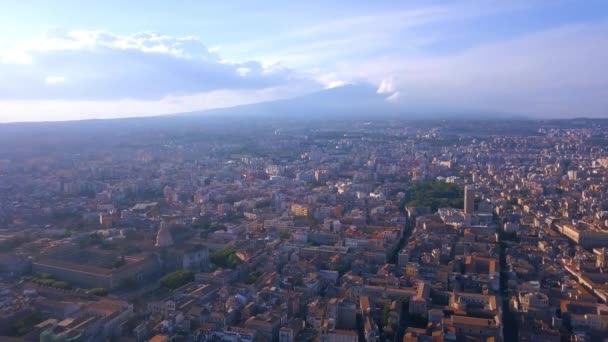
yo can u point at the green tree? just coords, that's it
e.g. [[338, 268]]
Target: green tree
[[434, 194], [61, 285], [386, 314], [225, 258], [176, 279], [98, 291]]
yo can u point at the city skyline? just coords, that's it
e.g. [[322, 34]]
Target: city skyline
[[202, 229]]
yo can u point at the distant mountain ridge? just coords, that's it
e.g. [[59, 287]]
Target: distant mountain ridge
[[356, 101], [348, 100]]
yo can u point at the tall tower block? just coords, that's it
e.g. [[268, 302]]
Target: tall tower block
[[469, 200]]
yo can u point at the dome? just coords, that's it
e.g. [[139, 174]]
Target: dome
[[163, 237]]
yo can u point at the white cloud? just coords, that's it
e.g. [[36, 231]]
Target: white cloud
[[335, 84], [54, 80], [406, 28], [15, 56], [561, 71], [67, 75], [101, 65], [394, 97], [387, 86], [328, 80], [61, 40], [242, 71], [54, 110], [51, 110]]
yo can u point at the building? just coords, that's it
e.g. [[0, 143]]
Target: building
[[478, 328], [586, 235], [343, 312], [266, 327], [163, 237], [105, 220], [88, 275], [288, 333], [418, 304], [300, 210], [370, 329], [469, 200], [159, 338], [337, 335]]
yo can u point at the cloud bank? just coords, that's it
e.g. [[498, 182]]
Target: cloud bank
[[98, 65], [560, 72]]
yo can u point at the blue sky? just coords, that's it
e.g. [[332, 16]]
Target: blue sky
[[69, 60]]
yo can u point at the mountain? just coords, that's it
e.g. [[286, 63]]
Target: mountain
[[346, 101], [359, 101], [337, 105]]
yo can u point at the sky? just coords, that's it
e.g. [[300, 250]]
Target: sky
[[66, 60]]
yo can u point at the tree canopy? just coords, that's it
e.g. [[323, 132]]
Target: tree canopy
[[435, 194], [225, 258], [176, 279]]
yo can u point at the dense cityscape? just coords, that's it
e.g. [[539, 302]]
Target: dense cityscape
[[277, 230]]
